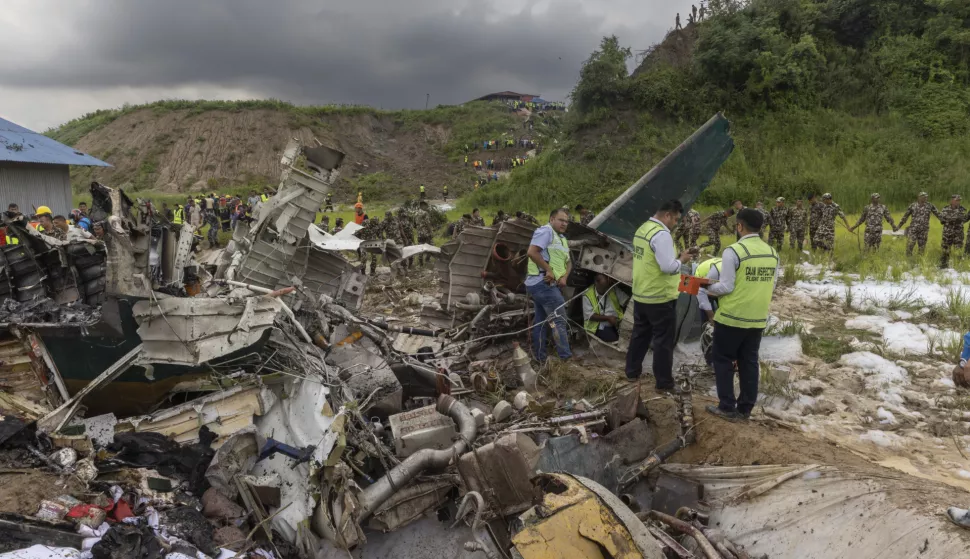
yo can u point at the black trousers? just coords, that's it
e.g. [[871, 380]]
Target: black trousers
[[742, 345], [608, 334], [653, 325]]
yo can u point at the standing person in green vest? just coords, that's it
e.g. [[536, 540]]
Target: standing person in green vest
[[549, 266], [749, 270], [421, 190], [656, 273], [444, 192], [603, 307]]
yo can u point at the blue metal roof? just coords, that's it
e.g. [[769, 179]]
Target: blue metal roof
[[26, 146]]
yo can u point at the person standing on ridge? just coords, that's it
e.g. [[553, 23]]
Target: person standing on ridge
[[715, 223], [748, 273], [547, 272], [656, 273], [421, 191], [873, 216]]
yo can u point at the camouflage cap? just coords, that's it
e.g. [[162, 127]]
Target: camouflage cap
[[921, 194], [956, 197], [826, 196], [780, 199], [875, 195]]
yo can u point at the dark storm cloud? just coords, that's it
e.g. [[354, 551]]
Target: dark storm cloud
[[385, 53]]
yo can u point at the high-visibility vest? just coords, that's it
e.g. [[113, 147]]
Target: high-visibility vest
[[178, 216], [650, 284], [445, 189], [705, 267], [593, 297], [747, 305], [358, 218], [422, 189], [263, 197], [558, 251]]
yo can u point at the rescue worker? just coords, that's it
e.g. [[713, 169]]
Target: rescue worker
[[178, 215], [477, 218], [265, 195], [919, 230], [13, 213], [778, 221], [406, 235], [58, 228], [715, 223], [370, 232], [603, 305], [814, 216], [421, 191], [500, 217], [761, 208], [873, 215], [422, 221], [465, 220], [359, 215], [212, 218], [825, 231], [83, 206], [44, 222], [546, 276], [656, 273], [444, 189], [741, 317], [338, 226], [527, 217], [360, 197], [797, 223], [328, 207], [98, 230], [325, 224], [953, 218], [166, 212], [585, 216], [688, 230], [709, 269]]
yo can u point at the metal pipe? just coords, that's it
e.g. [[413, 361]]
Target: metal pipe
[[683, 528], [405, 329], [660, 454], [375, 495]]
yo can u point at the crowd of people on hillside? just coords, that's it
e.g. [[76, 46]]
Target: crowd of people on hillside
[[515, 105]]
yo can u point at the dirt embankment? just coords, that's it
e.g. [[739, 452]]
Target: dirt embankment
[[181, 151]]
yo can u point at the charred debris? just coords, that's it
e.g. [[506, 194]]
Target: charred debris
[[248, 407]]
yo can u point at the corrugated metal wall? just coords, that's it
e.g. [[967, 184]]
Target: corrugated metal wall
[[30, 185]]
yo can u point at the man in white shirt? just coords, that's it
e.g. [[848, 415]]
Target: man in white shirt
[[603, 305]]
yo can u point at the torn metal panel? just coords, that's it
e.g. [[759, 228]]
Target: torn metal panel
[[682, 175], [480, 253], [224, 413], [192, 331], [368, 378], [410, 503]]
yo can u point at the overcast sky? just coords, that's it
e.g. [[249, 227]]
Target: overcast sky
[[64, 58]]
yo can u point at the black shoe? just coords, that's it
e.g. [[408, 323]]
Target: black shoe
[[731, 416]]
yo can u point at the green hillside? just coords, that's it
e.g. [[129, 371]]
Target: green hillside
[[842, 96]]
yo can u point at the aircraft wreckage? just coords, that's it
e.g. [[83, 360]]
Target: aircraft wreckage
[[248, 407]]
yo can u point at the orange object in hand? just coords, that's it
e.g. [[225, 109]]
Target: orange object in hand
[[691, 285]]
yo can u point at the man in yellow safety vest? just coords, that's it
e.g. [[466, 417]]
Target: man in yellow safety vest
[[748, 272], [656, 273], [603, 306], [548, 268], [178, 216], [421, 190]]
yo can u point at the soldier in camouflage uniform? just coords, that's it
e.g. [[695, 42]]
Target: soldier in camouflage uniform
[[500, 217], [953, 218], [585, 216], [688, 230], [477, 218], [370, 232], [422, 220], [872, 215], [325, 224], [527, 217], [797, 222], [715, 223], [764, 216], [338, 226], [406, 224], [778, 221], [919, 229], [825, 233], [814, 216], [465, 220]]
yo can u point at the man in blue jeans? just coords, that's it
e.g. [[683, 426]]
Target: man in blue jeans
[[549, 266]]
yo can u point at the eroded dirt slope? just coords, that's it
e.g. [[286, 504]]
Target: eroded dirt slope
[[180, 150]]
